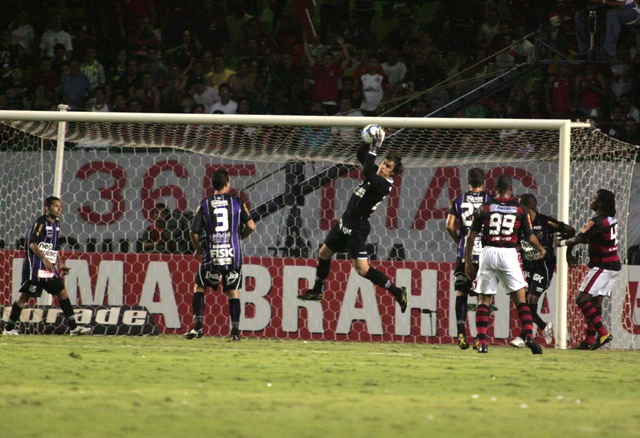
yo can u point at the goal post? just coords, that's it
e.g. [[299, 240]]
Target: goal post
[[297, 172]]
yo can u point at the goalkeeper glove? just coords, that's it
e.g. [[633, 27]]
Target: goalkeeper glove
[[378, 138]]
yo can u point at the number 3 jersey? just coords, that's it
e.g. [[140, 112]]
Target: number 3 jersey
[[463, 207], [46, 234], [501, 222], [221, 218]]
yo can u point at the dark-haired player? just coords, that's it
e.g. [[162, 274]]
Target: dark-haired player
[[458, 222], [601, 233], [539, 270], [351, 232], [224, 220], [42, 267], [502, 221]]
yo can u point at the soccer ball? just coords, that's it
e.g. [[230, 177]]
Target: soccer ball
[[370, 132]]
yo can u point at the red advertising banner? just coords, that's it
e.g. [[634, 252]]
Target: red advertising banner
[[352, 309]]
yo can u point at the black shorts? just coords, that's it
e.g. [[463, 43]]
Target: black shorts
[[350, 240], [230, 278], [462, 282], [34, 288], [538, 278]]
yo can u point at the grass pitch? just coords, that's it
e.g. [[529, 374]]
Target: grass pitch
[[166, 386]]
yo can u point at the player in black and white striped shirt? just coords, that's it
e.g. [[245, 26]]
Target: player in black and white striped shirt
[[42, 267], [458, 222]]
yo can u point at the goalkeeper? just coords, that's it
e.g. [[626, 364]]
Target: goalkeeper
[[351, 232]]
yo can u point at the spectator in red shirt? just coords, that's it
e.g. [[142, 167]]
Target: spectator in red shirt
[[326, 76], [590, 90], [561, 93]]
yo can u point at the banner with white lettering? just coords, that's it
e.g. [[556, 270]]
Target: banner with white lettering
[[103, 320], [352, 309]]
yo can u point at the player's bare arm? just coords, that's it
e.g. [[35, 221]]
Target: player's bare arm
[[533, 240], [568, 231], [570, 243], [62, 267], [469, 267], [249, 228], [580, 238], [451, 228], [195, 239]]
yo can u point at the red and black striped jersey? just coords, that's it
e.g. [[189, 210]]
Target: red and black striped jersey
[[602, 235], [502, 221]]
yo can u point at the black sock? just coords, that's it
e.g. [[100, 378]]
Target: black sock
[[536, 318], [14, 317], [67, 309], [322, 272], [379, 279], [234, 311], [198, 307], [461, 312]]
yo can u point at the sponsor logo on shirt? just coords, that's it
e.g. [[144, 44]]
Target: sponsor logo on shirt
[[503, 208]]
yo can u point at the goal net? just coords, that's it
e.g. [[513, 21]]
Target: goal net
[[296, 174]]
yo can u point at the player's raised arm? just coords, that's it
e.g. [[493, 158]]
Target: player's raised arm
[[372, 138]]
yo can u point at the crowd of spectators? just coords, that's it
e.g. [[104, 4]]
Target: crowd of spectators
[[396, 58]]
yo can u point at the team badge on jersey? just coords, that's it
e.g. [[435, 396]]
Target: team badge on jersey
[[586, 228]]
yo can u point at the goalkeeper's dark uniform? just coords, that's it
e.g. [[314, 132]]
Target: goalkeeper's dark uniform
[[351, 232], [539, 271]]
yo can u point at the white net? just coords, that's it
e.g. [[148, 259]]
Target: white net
[[601, 162], [22, 192], [297, 180]]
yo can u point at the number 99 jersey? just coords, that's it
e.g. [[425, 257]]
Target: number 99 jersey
[[501, 221], [221, 218]]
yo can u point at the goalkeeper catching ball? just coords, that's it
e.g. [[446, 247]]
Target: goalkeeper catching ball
[[351, 232]]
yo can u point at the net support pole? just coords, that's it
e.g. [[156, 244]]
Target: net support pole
[[47, 299], [564, 180], [57, 176]]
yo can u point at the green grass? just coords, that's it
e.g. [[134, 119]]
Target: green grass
[[55, 386]]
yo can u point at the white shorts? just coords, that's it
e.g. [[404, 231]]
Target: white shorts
[[598, 282], [499, 264]]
